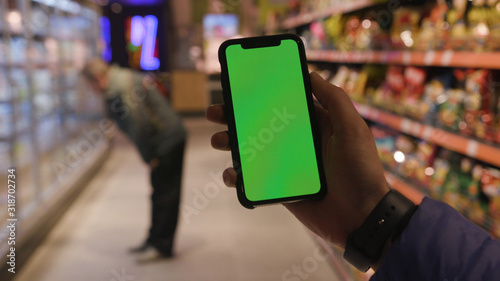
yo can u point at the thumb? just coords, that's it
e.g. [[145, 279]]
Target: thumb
[[342, 113]]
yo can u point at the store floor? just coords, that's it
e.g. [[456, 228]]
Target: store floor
[[217, 239]]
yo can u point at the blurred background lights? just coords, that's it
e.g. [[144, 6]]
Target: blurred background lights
[[366, 23], [116, 8], [15, 21], [429, 171], [399, 156], [406, 36]]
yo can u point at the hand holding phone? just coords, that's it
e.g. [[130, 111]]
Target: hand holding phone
[[354, 174], [275, 144]]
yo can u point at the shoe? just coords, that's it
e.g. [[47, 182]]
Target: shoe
[[151, 254], [139, 249]]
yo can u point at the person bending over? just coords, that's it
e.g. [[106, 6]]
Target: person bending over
[[135, 104]]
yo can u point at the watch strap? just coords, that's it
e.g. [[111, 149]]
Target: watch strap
[[365, 245]]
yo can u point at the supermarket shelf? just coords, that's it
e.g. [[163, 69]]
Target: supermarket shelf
[[14, 65], [345, 7], [416, 195], [74, 37], [489, 153], [449, 58]]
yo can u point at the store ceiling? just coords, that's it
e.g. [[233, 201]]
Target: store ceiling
[[133, 2], [141, 2]]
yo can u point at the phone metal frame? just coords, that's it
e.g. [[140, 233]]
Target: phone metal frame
[[259, 42]]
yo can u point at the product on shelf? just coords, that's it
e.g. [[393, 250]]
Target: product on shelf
[[3, 51], [333, 30], [417, 160], [476, 115], [388, 94], [496, 123], [5, 91], [406, 156], [490, 184], [431, 34], [294, 8], [40, 20], [456, 27], [451, 110], [411, 94], [437, 26], [22, 115], [463, 101], [5, 120], [404, 27], [353, 81], [316, 37], [351, 32], [385, 140], [471, 187], [478, 24], [38, 52], [493, 42], [428, 107], [18, 50], [6, 162]]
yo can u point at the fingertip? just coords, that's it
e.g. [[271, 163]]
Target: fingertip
[[215, 113], [211, 110], [315, 75], [229, 177], [220, 141]]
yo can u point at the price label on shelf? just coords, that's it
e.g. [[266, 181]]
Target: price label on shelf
[[429, 57], [472, 147], [427, 133], [370, 56], [375, 115], [446, 58], [406, 58], [415, 128], [405, 125], [384, 57]]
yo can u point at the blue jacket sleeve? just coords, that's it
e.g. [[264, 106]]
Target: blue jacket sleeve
[[440, 244]]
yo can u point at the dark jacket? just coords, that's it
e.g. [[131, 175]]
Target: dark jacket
[[142, 113], [440, 244]]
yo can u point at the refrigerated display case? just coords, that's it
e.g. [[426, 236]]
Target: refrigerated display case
[[44, 105]]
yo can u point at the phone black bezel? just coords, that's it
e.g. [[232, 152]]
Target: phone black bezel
[[258, 42]]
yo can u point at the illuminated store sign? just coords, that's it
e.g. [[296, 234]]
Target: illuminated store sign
[[142, 43], [106, 39]]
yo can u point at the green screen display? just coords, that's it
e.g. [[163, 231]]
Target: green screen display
[[272, 121]]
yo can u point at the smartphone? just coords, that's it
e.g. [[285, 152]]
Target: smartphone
[[275, 143]]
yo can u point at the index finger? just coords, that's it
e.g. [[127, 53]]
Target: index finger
[[215, 113]]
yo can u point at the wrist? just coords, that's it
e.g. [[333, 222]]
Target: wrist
[[366, 245]]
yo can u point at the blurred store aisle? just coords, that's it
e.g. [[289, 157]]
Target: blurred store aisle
[[217, 238]]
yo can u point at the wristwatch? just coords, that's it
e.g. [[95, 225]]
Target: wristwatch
[[365, 245]]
